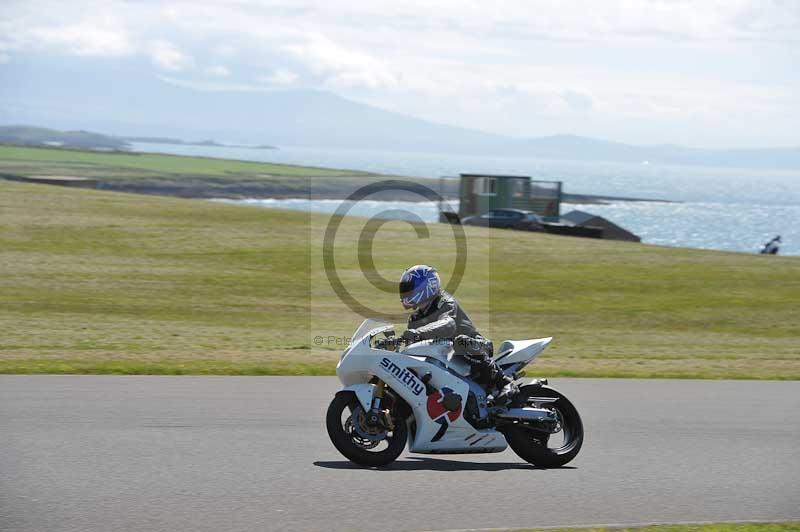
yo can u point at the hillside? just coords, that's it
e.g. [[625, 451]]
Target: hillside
[[177, 175], [99, 282], [131, 104]]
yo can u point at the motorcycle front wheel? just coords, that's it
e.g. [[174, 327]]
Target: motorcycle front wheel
[[359, 443], [542, 448]]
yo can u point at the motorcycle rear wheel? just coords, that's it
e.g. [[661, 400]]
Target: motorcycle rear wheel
[[532, 445], [347, 443]]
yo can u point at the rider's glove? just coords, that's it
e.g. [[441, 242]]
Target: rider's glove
[[411, 336], [387, 344]]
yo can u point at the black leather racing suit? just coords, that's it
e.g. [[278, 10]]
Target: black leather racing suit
[[444, 319]]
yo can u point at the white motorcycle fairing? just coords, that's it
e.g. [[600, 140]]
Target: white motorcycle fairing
[[441, 351], [520, 352], [434, 428]]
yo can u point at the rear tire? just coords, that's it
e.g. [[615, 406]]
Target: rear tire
[[345, 443], [531, 444]]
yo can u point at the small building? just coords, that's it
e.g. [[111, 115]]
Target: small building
[[610, 230], [481, 193]]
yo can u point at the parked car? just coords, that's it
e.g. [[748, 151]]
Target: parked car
[[507, 219]]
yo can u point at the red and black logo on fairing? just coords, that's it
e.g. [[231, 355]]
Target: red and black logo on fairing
[[443, 406]]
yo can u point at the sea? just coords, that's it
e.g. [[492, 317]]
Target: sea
[[731, 209]]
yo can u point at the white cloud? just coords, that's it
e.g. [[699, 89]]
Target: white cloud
[[76, 39], [223, 51], [578, 100], [340, 66], [637, 70], [213, 85], [167, 56], [280, 76], [219, 71]]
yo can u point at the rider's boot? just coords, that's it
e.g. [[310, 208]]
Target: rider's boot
[[492, 376], [498, 384]]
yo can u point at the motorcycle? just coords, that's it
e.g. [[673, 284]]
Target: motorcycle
[[422, 393]]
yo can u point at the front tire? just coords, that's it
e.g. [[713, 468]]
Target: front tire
[[532, 445], [353, 447]]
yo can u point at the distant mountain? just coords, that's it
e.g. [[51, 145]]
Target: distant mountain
[[129, 104]]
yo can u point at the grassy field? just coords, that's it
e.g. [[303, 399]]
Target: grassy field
[[177, 175], [21, 160], [103, 282], [714, 527]]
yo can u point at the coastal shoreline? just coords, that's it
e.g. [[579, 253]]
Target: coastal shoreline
[[204, 177], [333, 189]]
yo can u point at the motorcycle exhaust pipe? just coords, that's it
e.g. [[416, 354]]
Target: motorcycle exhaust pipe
[[527, 414]]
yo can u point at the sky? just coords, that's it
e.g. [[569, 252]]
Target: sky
[[708, 73]]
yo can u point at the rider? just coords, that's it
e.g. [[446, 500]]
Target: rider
[[438, 316]]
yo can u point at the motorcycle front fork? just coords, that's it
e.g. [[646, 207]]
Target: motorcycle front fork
[[374, 415]]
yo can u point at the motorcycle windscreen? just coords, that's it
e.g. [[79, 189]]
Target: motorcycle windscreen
[[368, 327]]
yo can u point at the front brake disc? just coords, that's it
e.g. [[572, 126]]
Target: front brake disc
[[359, 420]]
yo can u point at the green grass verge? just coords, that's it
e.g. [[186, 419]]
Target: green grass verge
[[183, 176], [23, 160], [102, 282], [789, 526]]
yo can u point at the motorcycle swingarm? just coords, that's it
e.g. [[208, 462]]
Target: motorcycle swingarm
[[538, 383]]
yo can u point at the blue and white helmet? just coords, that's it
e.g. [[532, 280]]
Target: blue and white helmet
[[418, 285]]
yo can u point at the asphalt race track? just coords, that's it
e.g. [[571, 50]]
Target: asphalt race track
[[251, 453]]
